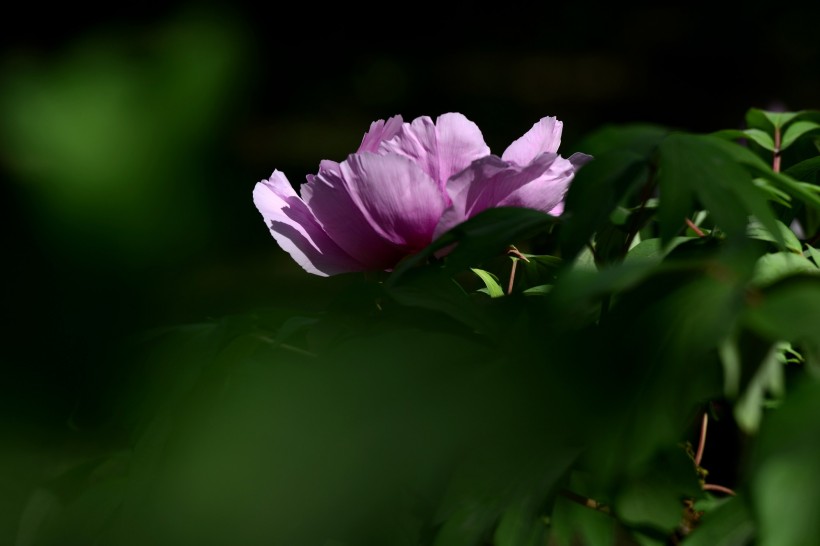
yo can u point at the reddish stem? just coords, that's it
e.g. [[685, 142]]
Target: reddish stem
[[776, 158], [702, 442], [695, 228], [514, 252], [719, 488], [512, 277]]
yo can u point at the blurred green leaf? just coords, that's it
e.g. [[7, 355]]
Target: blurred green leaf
[[596, 190], [767, 121], [655, 497], [795, 131], [778, 265], [520, 526], [782, 181], [805, 170], [788, 310], [434, 290], [652, 250], [762, 138], [731, 524], [572, 523], [638, 139], [786, 470], [767, 380], [698, 166], [791, 243], [814, 254], [484, 236]]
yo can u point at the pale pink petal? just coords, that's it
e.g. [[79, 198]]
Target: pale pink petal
[[544, 136], [329, 197], [441, 149], [401, 202], [492, 182], [379, 131], [545, 192], [296, 230]]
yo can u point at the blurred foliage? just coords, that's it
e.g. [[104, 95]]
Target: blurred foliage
[[433, 406], [427, 406], [109, 135]]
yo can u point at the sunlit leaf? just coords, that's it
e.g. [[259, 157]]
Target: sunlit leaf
[[791, 243], [490, 281], [699, 166], [758, 136], [765, 120], [773, 267], [795, 131]]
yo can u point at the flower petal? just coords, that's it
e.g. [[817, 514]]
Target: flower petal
[[442, 148], [544, 136], [380, 130], [296, 230], [492, 182], [399, 200], [545, 192], [329, 197]]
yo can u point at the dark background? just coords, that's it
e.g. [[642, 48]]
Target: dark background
[[131, 138]]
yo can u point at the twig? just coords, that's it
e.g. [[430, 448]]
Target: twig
[[584, 501], [516, 254], [702, 442], [720, 488], [695, 228], [776, 158]]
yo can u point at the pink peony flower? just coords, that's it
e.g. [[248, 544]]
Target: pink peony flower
[[407, 184]]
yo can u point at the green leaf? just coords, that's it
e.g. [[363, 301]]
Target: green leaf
[[486, 235], [767, 380], [795, 131], [773, 267], [651, 249], [434, 290], [572, 524], [699, 165], [786, 470], [731, 524], [640, 139], [762, 119], [539, 290], [654, 498], [814, 254], [774, 194], [788, 310], [520, 526], [494, 290], [781, 180], [594, 193], [791, 243], [805, 170], [761, 137]]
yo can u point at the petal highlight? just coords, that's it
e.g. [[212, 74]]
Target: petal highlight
[[492, 182], [401, 202], [543, 137], [379, 131], [297, 231], [441, 149]]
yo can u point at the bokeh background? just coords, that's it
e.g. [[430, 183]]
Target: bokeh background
[[131, 138]]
